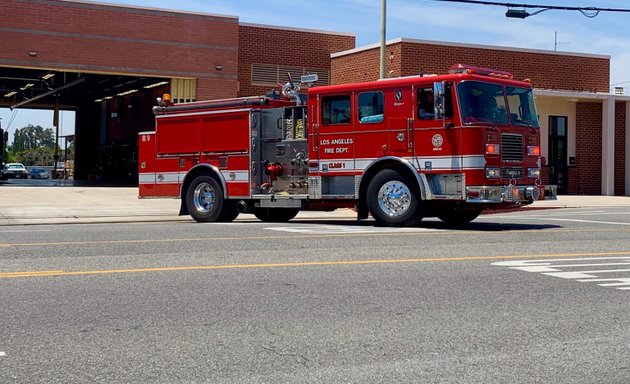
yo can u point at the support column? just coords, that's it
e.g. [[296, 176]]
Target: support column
[[608, 147], [627, 173]]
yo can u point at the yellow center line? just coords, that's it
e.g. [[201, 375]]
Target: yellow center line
[[30, 274], [429, 232], [305, 264]]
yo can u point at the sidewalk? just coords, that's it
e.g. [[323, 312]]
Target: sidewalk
[[63, 205]]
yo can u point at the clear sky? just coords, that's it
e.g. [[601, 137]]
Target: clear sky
[[606, 34]]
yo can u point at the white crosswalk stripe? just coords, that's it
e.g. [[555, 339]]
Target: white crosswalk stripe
[[596, 270]]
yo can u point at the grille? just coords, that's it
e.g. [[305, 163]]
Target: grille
[[511, 147], [512, 173]]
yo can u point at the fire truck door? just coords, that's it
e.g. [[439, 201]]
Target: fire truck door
[[437, 141], [335, 140], [400, 123]]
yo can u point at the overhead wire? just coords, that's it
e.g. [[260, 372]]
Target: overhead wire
[[12, 118], [589, 12]]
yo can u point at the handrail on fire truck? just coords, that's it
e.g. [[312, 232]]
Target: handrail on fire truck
[[166, 107]]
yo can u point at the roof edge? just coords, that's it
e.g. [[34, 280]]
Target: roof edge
[[467, 45], [295, 29], [580, 95]]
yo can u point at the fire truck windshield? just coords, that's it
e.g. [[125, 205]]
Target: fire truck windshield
[[482, 102], [522, 107]]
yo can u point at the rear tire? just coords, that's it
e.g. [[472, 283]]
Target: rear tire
[[205, 201], [275, 215], [393, 200], [458, 216]]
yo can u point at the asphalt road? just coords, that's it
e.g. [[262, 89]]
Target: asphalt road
[[530, 297]]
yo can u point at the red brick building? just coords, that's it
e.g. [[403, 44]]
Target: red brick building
[[108, 63], [99, 38], [267, 53], [586, 139]]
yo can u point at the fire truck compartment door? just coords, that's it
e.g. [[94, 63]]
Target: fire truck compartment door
[[146, 164], [168, 177]]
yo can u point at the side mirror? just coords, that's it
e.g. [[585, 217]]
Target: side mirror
[[438, 100]]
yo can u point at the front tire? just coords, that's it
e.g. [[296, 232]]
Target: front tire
[[205, 201], [393, 200], [275, 215]]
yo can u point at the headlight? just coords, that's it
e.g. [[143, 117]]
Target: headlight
[[493, 149], [533, 173], [493, 173], [533, 150]]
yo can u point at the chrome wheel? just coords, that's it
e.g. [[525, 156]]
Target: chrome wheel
[[204, 197], [394, 198], [205, 202]]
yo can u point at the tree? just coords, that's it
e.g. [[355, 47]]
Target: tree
[[34, 145], [8, 155], [36, 156], [32, 137]]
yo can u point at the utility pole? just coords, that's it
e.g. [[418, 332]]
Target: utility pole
[[383, 43], [56, 124], [2, 143]]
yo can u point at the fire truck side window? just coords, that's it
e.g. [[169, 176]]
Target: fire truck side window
[[522, 106], [336, 110], [426, 108], [370, 107]]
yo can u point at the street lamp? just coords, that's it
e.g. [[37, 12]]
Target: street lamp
[[516, 13], [521, 13]]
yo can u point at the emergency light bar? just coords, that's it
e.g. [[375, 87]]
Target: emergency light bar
[[465, 68]]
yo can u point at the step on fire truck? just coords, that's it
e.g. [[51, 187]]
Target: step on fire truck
[[446, 146]]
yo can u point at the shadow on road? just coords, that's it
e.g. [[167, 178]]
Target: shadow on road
[[434, 224]]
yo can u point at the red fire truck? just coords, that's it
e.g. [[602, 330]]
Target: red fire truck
[[400, 149]]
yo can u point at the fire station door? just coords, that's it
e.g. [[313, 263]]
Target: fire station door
[[558, 154]]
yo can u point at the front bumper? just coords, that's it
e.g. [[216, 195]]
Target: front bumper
[[14, 175], [523, 194]]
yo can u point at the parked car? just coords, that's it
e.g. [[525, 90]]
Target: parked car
[[14, 171], [38, 173]]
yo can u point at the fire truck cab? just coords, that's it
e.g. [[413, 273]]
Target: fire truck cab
[[400, 149]]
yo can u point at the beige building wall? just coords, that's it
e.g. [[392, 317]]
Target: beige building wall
[[556, 106]]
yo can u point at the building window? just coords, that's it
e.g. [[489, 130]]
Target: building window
[[270, 74], [183, 90], [370, 107], [336, 110]]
